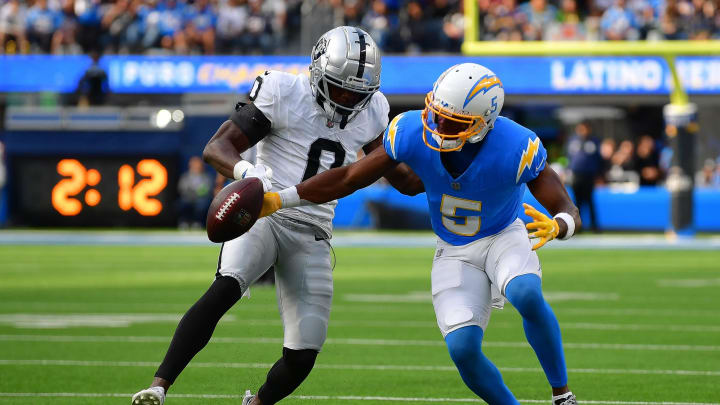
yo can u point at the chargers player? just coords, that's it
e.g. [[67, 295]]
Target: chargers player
[[474, 166], [301, 127]]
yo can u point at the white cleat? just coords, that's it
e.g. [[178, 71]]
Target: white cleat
[[247, 399], [150, 396], [567, 398]]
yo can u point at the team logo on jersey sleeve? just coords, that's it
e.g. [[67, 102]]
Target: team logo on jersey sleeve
[[392, 131], [528, 156]]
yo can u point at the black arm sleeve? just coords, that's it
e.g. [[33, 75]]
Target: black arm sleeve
[[251, 121]]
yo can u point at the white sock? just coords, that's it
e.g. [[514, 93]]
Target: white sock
[[159, 390]]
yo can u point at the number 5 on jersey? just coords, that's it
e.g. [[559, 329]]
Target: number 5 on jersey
[[461, 225]]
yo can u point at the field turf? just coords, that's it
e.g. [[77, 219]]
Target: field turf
[[88, 325]]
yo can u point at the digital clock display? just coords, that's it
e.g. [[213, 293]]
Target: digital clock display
[[94, 191]]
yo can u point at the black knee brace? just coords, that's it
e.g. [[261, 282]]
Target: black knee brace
[[287, 374]]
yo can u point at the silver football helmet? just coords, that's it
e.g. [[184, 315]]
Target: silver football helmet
[[344, 73]]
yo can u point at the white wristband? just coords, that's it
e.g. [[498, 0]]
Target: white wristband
[[569, 221], [289, 197], [240, 168]]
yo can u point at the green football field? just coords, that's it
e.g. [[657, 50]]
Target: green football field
[[89, 325]]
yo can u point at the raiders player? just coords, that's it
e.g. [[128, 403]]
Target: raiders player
[[301, 127]]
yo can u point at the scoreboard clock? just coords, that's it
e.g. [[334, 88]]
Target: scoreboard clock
[[94, 191]]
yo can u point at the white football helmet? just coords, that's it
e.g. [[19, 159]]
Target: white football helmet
[[344, 58], [470, 96]]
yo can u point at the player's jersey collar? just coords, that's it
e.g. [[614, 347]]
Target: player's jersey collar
[[460, 161], [440, 167]]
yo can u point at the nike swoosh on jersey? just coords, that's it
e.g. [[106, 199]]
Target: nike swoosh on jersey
[[539, 165]]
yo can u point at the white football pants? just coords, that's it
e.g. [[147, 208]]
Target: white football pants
[[468, 280], [303, 275]]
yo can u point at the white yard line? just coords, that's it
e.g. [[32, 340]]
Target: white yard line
[[376, 239], [106, 320], [640, 311], [689, 283], [112, 320], [374, 367], [658, 327], [250, 305], [426, 297], [328, 398], [563, 325], [357, 341]]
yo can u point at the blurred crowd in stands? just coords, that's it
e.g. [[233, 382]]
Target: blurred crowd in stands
[[644, 161], [292, 26], [629, 163], [709, 175], [599, 20]]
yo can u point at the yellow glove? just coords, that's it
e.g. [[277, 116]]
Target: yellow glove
[[271, 203], [546, 228]]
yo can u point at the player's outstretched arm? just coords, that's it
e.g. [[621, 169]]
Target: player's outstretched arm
[[332, 184], [401, 177], [343, 181], [550, 192], [405, 180]]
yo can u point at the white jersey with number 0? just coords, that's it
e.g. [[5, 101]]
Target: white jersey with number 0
[[300, 144]]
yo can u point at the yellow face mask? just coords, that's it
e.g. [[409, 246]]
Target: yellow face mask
[[458, 128]]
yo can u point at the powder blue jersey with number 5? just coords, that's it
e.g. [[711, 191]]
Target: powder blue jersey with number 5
[[485, 198]]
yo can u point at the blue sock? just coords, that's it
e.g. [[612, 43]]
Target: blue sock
[[479, 374], [541, 327]]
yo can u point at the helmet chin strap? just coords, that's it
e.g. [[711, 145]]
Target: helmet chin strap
[[481, 135], [476, 138], [452, 143], [329, 115], [444, 143], [332, 112]]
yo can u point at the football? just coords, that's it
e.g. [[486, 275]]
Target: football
[[234, 209]]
